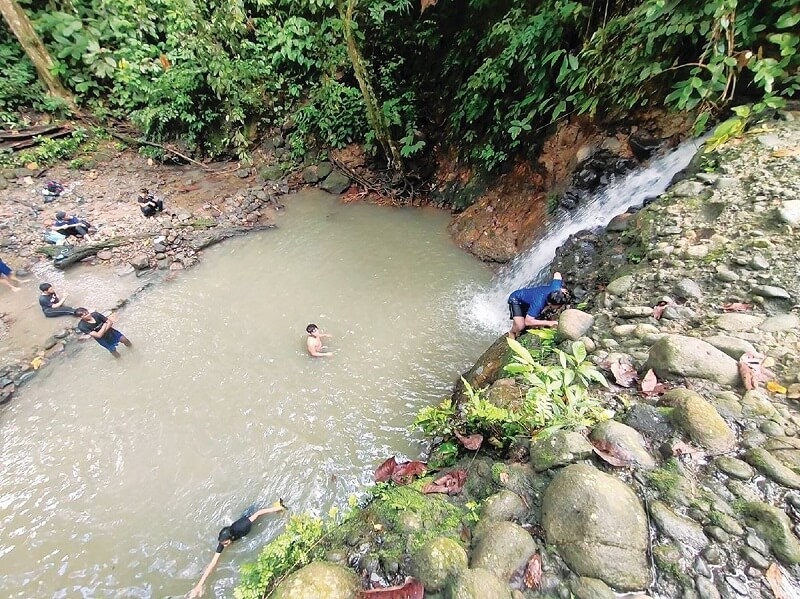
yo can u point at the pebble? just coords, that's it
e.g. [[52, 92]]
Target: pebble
[[738, 585], [758, 262], [770, 291], [725, 274], [734, 467]]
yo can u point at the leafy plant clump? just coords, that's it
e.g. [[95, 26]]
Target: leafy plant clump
[[290, 550], [556, 395]]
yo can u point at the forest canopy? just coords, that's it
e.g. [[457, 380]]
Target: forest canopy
[[486, 77]]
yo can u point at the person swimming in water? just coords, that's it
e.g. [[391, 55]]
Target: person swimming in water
[[228, 535], [314, 342]]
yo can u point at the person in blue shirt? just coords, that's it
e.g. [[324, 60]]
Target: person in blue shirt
[[72, 226], [526, 305]]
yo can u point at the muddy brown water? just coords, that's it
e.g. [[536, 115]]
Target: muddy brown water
[[117, 475]]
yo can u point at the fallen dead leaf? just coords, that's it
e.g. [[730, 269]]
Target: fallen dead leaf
[[776, 387], [410, 589], [658, 309], [650, 385], [426, 4], [385, 470], [752, 370], [786, 152], [610, 454], [624, 374], [737, 307], [533, 572], [451, 483], [471, 442], [401, 474], [775, 580]]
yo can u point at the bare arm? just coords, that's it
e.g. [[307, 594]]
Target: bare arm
[[102, 330], [60, 302], [198, 589], [533, 322]]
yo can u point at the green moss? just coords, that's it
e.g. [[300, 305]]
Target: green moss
[[665, 479], [498, 469]]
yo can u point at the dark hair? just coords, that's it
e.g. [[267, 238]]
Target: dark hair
[[558, 298], [80, 312], [225, 535], [311, 328], [44, 286], [60, 214], [143, 190]]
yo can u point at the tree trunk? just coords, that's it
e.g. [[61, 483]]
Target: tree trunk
[[21, 26], [375, 115]]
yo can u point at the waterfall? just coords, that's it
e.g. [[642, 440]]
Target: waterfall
[[486, 309]]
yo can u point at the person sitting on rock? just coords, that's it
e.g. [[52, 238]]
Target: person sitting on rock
[[526, 305], [72, 226], [228, 535], [148, 203], [51, 305]]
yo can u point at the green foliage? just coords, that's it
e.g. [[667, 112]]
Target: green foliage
[[290, 550], [556, 396], [48, 151]]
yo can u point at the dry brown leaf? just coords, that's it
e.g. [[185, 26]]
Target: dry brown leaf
[[451, 483], [385, 470], [775, 580], [786, 152], [533, 572], [471, 442], [624, 374], [737, 307], [650, 385], [658, 309], [410, 589], [680, 448], [609, 453], [407, 471], [752, 371], [503, 478]]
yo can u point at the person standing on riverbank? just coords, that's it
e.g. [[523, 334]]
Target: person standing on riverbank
[[50, 303], [99, 328], [314, 342], [526, 305], [228, 535], [7, 277]]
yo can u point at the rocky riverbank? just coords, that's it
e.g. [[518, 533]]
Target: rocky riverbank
[[692, 489]]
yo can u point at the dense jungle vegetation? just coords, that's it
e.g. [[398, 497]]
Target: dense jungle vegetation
[[404, 78]]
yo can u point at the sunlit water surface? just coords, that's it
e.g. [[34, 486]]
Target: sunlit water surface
[[117, 475]]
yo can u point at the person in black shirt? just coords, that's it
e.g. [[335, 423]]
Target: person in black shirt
[[99, 328], [51, 305], [228, 535], [148, 203]]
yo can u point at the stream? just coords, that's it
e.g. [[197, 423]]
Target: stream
[[118, 474]]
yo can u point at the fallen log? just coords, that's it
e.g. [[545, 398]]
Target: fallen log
[[76, 254], [31, 132]]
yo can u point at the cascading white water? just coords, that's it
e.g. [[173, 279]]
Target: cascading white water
[[486, 308]]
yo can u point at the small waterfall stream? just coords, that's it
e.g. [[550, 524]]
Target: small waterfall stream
[[486, 308]]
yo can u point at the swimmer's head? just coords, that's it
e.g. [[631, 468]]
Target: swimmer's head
[[310, 329], [558, 298], [225, 536]]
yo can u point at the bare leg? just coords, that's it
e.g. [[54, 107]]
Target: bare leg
[[125, 341], [115, 353], [7, 282], [517, 327]]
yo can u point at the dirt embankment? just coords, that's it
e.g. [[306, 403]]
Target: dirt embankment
[[575, 160]]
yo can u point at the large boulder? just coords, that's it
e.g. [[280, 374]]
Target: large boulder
[[574, 324], [733, 346], [559, 449], [623, 441], [700, 420], [678, 355], [598, 526], [488, 368], [438, 561], [477, 584], [503, 549], [775, 527], [319, 579], [336, 182]]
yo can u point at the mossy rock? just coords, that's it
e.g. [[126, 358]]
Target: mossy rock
[[775, 527], [319, 579], [700, 420], [438, 561], [477, 583], [503, 548]]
